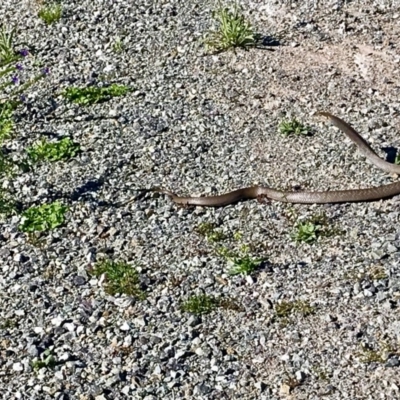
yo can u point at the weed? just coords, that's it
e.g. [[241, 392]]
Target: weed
[[291, 382], [233, 30], [50, 13], [47, 360], [289, 127], [92, 95], [321, 373], [241, 263], [369, 355], [6, 165], [43, 218], [307, 232], [8, 323], [209, 231], [35, 239], [225, 252], [310, 230], [7, 52], [229, 304], [202, 304], [237, 235], [285, 308], [377, 273], [397, 159], [61, 150], [7, 204], [244, 265], [6, 120], [374, 273], [118, 46], [120, 278]]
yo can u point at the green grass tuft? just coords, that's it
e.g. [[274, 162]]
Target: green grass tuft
[[6, 120], [120, 278], [202, 304], [50, 13], [43, 218], [53, 151], [118, 46], [47, 360], [244, 265], [93, 95], [211, 233], [7, 52], [293, 127], [310, 230], [233, 31], [286, 308]]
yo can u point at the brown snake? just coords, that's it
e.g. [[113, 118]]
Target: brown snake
[[334, 196]]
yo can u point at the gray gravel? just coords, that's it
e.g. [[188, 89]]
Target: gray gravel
[[201, 124]]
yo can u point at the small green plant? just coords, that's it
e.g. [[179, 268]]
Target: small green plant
[[290, 381], [210, 232], [397, 159], [369, 355], [43, 218], [50, 13], [233, 30], [14, 97], [289, 127], [244, 265], [120, 278], [201, 304], [285, 308], [321, 373], [310, 230], [8, 323], [307, 232], [64, 149], [6, 120], [46, 360], [7, 204], [377, 273], [118, 46], [92, 95], [7, 52], [230, 304], [238, 235]]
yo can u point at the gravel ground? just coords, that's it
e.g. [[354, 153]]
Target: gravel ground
[[198, 124]]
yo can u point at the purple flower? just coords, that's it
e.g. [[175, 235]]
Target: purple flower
[[22, 98], [46, 71], [19, 67], [24, 52], [15, 79]]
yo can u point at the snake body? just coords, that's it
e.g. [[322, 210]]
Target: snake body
[[334, 196]]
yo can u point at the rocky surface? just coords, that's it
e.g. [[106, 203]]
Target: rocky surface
[[200, 123]]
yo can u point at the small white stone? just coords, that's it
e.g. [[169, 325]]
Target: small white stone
[[18, 367], [285, 357], [139, 321], [57, 321], [70, 326], [125, 327], [199, 351], [127, 341], [179, 354], [157, 370], [300, 376], [59, 375]]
